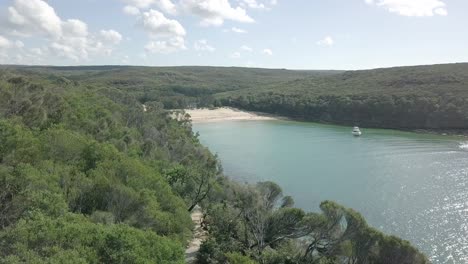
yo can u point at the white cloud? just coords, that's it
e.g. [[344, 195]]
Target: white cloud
[[125, 60], [68, 38], [417, 8], [267, 52], [253, 4], [111, 36], [74, 43], [166, 46], [140, 3], [258, 4], [235, 55], [69, 50], [167, 6], [326, 41], [246, 48], [19, 44], [214, 12], [157, 25], [77, 44], [22, 56], [238, 30], [13, 52], [37, 51], [441, 11], [34, 16], [131, 10], [75, 28], [167, 34], [4, 42], [202, 45]]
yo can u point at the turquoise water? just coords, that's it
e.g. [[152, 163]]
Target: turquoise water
[[407, 184]]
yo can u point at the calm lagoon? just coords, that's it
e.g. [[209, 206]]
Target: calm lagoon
[[411, 185]]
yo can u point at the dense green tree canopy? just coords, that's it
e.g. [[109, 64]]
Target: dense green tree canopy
[[83, 175], [250, 220]]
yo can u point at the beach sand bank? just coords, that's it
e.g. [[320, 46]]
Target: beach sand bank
[[203, 115]]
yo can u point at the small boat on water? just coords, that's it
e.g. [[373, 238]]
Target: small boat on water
[[356, 131]]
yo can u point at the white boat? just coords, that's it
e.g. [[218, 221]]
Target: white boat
[[356, 131]]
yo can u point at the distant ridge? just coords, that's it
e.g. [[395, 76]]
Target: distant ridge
[[407, 97]]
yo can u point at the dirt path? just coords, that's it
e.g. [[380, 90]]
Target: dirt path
[[198, 236]]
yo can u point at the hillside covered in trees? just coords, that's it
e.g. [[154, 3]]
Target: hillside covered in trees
[[175, 87], [427, 97], [88, 176], [419, 97]]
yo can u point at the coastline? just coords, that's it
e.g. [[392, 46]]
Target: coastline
[[205, 115], [208, 115], [442, 132]]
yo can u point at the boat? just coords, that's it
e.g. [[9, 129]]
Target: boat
[[356, 131]]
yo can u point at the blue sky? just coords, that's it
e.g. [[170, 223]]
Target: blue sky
[[293, 34]]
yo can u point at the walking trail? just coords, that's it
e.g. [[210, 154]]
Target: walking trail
[[199, 236]]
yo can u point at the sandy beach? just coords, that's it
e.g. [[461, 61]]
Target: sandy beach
[[225, 114]]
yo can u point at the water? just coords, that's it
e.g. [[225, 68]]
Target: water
[[410, 185]]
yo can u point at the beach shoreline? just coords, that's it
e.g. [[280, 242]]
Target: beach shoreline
[[206, 115]]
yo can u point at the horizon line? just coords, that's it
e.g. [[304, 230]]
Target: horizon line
[[217, 66]]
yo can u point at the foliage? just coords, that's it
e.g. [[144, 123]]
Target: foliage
[[252, 221], [74, 239], [83, 175], [237, 258], [432, 96], [90, 175], [406, 97]]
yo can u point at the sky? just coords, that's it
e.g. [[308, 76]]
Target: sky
[[292, 34]]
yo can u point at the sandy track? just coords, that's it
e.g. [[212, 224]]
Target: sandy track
[[199, 235]]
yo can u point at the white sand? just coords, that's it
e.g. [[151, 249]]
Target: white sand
[[224, 114]]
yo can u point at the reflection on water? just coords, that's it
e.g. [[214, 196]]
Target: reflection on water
[[406, 184], [463, 145]]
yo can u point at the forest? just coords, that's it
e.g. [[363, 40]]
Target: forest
[[420, 97], [417, 97], [91, 175]]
